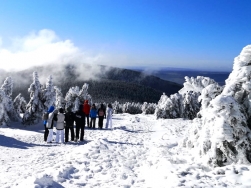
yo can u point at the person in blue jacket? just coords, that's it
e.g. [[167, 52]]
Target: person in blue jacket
[[93, 115], [46, 130]]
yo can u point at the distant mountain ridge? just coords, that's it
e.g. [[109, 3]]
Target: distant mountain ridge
[[177, 75], [108, 85]]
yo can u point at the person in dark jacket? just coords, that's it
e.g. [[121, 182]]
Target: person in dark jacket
[[86, 110], [101, 115], [69, 124], [80, 123], [93, 115], [46, 130]]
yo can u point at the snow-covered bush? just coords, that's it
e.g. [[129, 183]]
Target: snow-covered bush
[[35, 106], [148, 108]]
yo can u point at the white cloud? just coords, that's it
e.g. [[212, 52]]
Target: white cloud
[[43, 47]]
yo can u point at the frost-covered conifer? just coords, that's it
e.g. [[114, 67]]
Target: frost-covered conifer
[[74, 97], [170, 107], [191, 105], [132, 108], [148, 108], [84, 95], [222, 136], [19, 105], [35, 106], [117, 107], [208, 94], [4, 118], [184, 104], [7, 87], [196, 84], [48, 94], [60, 101]]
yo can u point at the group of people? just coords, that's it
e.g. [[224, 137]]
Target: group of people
[[65, 121]]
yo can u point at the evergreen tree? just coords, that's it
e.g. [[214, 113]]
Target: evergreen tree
[[191, 105], [35, 107], [60, 101], [148, 108], [132, 108], [222, 135], [117, 107], [4, 118], [7, 87], [74, 97], [84, 95], [19, 106], [48, 94]]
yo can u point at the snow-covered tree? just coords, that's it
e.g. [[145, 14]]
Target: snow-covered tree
[[4, 118], [170, 107], [60, 101], [19, 104], [84, 95], [191, 105], [74, 97], [208, 94], [117, 107], [196, 84], [35, 107], [132, 108], [183, 104], [7, 87], [222, 135], [48, 94], [148, 108]]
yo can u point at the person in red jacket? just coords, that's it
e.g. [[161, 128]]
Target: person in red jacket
[[86, 110]]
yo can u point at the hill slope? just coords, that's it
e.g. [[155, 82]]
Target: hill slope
[[106, 84]]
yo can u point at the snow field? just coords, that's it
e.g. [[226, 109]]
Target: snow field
[[140, 152]]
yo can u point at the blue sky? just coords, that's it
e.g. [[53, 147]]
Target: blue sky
[[199, 34]]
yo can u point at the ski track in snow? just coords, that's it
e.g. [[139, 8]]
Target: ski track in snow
[[140, 152]]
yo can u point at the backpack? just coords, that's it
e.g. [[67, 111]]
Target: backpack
[[45, 116], [101, 112]]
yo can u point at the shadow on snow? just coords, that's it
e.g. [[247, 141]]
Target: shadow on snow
[[6, 141]]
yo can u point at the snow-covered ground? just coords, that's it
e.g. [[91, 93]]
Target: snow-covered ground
[[140, 152]]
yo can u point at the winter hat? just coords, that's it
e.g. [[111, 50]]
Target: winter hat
[[51, 109]]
